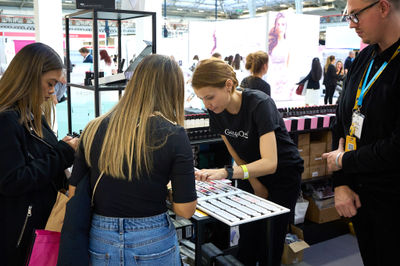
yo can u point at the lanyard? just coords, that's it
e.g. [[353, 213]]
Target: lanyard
[[363, 87]]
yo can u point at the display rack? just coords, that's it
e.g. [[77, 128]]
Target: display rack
[[95, 15]]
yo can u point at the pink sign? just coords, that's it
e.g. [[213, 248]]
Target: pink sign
[[19, 44]]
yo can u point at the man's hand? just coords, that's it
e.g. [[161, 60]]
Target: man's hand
[[346, 201], [331, 157]]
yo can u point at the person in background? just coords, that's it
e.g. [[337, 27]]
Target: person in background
[[366, 134], [133, 186], [230, 60], [330, 79], [195, 62], [313, 78], [105, 63], [268, 162], [257, 64], [32, 160], [237, 67], [349, 60], [217, 55], [85, 53], [339, 69]]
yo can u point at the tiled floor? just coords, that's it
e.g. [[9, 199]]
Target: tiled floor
[[339, 251]]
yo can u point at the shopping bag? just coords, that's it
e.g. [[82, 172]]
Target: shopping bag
[[56, 218], [45, 248], [300, 89]]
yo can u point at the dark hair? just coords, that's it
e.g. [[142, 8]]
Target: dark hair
[[104, 56], [196, 57], [84, 50], [255, 61], [236, 62], [217, 55], [316, 69], [273, 35], [230, 60]]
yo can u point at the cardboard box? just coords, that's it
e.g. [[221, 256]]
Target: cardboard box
[[306, 161], [317, 147], [317, 170], [304, 150], [316, 159], [306, 174], [303, 139], [320, 216], [293, 253]]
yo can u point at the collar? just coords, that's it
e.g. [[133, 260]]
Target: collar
[[387, 54]]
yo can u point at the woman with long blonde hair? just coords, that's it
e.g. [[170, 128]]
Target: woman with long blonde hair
[[135, 150], [32, 160]]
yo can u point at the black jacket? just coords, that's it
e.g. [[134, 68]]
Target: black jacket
[[31, 169], [312, 84], [375, 165], [330, 76]]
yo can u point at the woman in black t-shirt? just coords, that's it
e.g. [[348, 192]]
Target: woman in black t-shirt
[[257, 63], [136, 149], [268, 161]]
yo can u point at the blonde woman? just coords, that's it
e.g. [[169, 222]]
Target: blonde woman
[[330, 79], [256, 138], [139, 146], [32, 160]]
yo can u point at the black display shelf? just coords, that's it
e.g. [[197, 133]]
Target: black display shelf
[[315, 233], [315, 179], [95, 15]]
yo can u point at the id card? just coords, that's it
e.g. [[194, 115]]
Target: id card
[[357, 121], [351, 143]]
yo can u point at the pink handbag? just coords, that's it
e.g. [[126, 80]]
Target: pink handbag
[[45, 248]]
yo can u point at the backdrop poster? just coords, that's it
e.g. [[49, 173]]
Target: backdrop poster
[[292, 44]]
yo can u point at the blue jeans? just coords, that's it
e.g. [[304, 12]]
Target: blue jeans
[[133, 241]]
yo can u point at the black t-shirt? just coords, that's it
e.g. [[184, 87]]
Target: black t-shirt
[[257, 116], [145, 196], [256, 83]]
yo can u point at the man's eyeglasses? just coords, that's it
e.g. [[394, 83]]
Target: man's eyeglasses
[[354, 17]]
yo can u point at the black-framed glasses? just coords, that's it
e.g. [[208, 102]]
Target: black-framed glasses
[[354, 17]]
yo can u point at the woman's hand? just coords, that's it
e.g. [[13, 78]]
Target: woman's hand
[[210, 174], [73, 142]]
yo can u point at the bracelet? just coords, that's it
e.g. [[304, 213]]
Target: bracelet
[[337, 159], [245, 171]]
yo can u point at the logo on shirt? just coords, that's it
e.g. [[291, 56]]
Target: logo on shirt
[[237, 134]]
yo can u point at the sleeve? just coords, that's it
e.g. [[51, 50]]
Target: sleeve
[[266, 117], [382, 155], [80, 166], [182, 174], [18, 175], [305, 79]]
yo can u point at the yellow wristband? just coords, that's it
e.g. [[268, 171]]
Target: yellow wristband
[[245, 171]]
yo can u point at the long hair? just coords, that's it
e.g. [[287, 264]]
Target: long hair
[[274, 35], [236, 62], [104, 56], [256, 61], [329, 61], [214, 73], [157, 86], [316, 69], [21, 88]]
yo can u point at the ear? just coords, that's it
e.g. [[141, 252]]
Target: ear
[[385, 7], [229, 84]]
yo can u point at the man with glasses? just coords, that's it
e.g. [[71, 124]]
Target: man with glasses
[[366, 142]]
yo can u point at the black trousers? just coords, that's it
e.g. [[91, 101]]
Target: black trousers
[[253, 236], [329, 91], [377, 228]]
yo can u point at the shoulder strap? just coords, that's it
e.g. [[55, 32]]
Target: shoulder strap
[[95, 186]]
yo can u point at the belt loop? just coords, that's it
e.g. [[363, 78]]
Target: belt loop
[[121, 225]]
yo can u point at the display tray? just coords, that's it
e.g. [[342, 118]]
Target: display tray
[[232, 205]]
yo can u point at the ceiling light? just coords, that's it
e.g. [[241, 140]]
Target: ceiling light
[[283, 5], [201, 11], [179, 9]]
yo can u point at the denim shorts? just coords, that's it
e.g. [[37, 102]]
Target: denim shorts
[[133, 241]]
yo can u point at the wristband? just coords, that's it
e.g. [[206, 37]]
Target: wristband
[[337, 160], [245, 171]]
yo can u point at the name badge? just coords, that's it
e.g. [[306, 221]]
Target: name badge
[[351, 143], [357, 121]]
